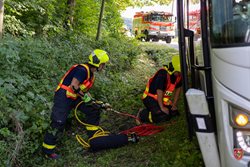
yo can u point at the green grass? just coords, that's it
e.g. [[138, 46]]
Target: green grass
[[166, 149], [121, 84]]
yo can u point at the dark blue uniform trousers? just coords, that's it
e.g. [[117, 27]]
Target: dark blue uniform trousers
[[60, 112]]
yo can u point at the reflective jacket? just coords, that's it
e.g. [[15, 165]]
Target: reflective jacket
[[169, 89], [84, 86]]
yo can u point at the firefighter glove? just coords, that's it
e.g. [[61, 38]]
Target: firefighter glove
[[87, 98]]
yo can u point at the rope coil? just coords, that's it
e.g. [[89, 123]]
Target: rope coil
[[99, 133], [140, 130]]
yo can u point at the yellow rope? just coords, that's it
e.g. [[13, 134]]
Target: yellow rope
[[82, 142], [99, 133]]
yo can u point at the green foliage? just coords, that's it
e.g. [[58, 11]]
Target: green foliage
[[122, 51], [32, 17], [86, 16], [160, 54], [112, 20], [15, 27], [31, 69], [46, 17], [50, 17], [151, 2]]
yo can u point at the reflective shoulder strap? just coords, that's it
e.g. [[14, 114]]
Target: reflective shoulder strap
[[89, 81], [146, 92], [87, 68], [61, 81]]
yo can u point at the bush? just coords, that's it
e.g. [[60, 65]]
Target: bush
[[30, 71], [161, 54]]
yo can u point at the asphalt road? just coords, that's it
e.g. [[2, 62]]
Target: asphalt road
[[173, 44]]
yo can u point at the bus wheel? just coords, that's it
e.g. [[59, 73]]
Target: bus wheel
[[168, 40]]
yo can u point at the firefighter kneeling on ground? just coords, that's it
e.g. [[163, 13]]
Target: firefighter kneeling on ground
[[165, 83], [72, 90]]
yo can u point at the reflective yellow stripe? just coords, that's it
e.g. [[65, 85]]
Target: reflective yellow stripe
[[167, 101], [48, 146], [150, 95], [92, 127], [68, 93], [61, 82], [87, 68], [144, 95], [58, 87], [150, 117], [83, 87]]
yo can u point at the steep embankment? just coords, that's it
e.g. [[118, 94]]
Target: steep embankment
[[31, 69]]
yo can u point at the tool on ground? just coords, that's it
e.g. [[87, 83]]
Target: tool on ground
[[140, 130]]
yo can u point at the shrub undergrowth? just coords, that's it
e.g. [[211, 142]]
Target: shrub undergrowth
[[30, 71]]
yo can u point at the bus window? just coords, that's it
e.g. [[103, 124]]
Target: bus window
[[233, 25]]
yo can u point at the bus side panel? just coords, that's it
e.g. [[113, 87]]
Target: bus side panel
[[231, 87], [231, 67], [223, 99]]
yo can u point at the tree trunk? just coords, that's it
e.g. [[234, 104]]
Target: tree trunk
[[1, 17], [70, 14], [100, 21], [71, 4]]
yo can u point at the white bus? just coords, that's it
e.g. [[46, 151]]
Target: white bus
[[218, 93]]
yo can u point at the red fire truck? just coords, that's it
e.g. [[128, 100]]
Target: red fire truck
[[154, 25]]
